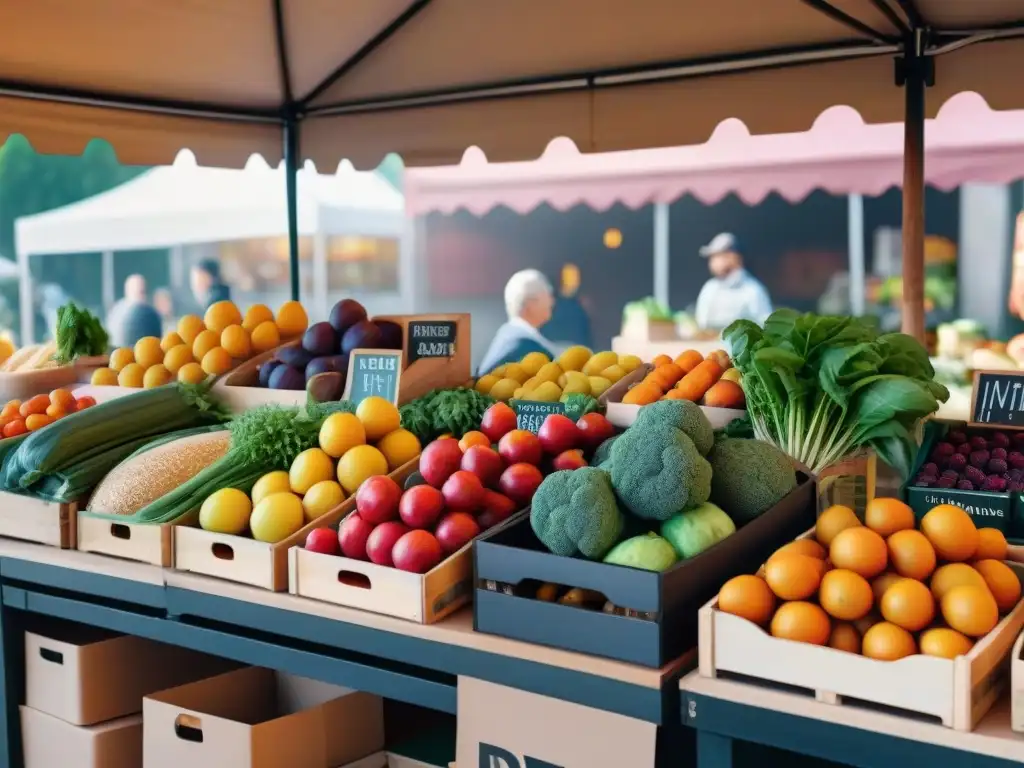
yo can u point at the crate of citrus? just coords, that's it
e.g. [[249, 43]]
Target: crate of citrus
[[915, 617]]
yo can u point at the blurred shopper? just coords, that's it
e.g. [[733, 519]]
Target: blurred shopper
[[163, 303], [569, 324], [207, 286], [528, 304], [732, 293], [123, 329]]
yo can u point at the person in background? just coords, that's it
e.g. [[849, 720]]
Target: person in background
[[569, 324], [138, 321], [163, 303], [134, 295], [207, 287], [732, 293], [528, 304]]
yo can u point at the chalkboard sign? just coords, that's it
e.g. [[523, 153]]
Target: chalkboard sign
[[998, 399], [431, 338], [530, 414], [373, 373]]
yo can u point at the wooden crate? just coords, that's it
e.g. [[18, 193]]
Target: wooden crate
[[1017, 685], [239, 389], [44, 522], [140, 542], [623, 414], [958, 692]]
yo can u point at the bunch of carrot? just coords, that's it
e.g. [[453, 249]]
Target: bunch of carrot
[[691, 377]]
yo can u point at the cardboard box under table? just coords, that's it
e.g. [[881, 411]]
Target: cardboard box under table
[[49, 742], [258, 718], [655, 619], [29, 518]]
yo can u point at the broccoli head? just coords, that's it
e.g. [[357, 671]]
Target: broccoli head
[[575, 513], [658, 471], [681, 414], [603, 452], [749, 477]]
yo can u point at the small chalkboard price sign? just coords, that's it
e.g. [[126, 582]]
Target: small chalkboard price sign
[[530, 414], [997, 399], [373, 373], [430, 338]]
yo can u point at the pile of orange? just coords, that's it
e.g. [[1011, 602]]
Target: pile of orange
[[885, 588], [17, 417]]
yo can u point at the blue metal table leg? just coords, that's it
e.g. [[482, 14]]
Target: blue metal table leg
[[12, 669], [713, 750]]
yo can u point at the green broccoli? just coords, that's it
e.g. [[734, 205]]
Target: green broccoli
[[603, 452], [657, 471], [750, 477], [681, 414], [575, 513]]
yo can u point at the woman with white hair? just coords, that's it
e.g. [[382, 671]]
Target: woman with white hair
[[528, 302]]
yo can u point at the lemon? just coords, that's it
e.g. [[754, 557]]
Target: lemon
[[235, 341], [598, 385], [256, 314], [574, 358], [517, 372], [176, 357], [548, 372], [277, 517], [399, 447], [361, 462], [189, 327], [265, 336], [220, 315], [148, 351], [505, 389], [321, 499], [341, 432], [170, 341], [203, 343], [216, 362], [600, 362], [156, 376], [309, 468], [485, 383], [104, 377], [121, 357], [629, 363], [613, 373], [379, 417], [291, 319], [534, 361], [225, 511], [272, 482], [131, 376], [191, 373]]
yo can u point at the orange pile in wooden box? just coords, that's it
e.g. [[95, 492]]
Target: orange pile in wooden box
[[17, 417], [710, 381], [886, 589]]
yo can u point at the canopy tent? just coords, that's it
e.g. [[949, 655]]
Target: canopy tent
[[183, 204], [424, 78]]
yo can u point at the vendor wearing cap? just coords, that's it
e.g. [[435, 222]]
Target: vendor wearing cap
[[732, 293]]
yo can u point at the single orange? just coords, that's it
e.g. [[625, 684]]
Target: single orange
[[474, 438], [881, 583], [808, 547], [954, 575], [749, 597], [945, 643], [908, 604], [887, 642], [886, 516], [845, 595], [36, 421], [991, 545], [794, 577], [972, 611], [860, 550], [803, 622], [832, 521], [863, 625], [911, 554], [1002, 582], [951, 531], [844, 637]]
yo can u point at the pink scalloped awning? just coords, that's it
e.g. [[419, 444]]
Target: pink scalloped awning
[[840, 154]]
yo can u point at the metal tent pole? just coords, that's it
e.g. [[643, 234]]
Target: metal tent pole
[[291, 173]]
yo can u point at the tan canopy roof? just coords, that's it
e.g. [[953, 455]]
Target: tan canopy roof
[[428, 78]]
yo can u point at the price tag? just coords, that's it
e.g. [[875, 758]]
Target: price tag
[[997, 399], [530, 414], [431, 338], [373, 373]]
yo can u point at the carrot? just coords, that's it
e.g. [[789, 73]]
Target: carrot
[[689, 360], [644, 393], [697, 382], [36, 421], [661, 360], [666, 376], [37, 404], [725, 394]]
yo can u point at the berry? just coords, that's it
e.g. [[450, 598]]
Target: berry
[[951, 473], [964, 449], [945, 482], [942, 451], [975, 475], [999, 453], [956, 437], [957, 462], [925, 482], [965, 485], [1015, 459], [979, 459], [993, 483], [1015, 486], [1000, 440], [979, 443], [997, 467]]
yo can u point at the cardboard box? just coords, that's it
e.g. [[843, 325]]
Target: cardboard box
[[49, 742], [514, 729], [258, 718], [85, 675]]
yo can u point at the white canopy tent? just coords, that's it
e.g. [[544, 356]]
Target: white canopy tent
[[184, 204]]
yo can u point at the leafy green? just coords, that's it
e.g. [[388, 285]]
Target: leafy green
[[79, 334], [823, 388], [445, 411], [577, 405]]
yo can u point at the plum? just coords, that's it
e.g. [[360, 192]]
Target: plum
[[287, 377], [294, 356], [362, 335], [965, 485], [996, 467], [265, 370], [975, 475], [979, 459], [957, 462], [390, 334], [326, 364], [345, 314], [326, 387], [320, 340]]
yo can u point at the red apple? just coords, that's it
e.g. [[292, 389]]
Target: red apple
[[382, 541], [569, 460], [496, 507], [377, 499], [498, 421], [455, 530], [353, 536], [463, 491], [417, 552], [594, 429], [521, 447], [325, 541], [439, 460], [421, 505], [519, 482], [485, 463], [558, 434]]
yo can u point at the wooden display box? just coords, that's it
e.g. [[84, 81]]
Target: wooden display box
[[662, 620], [958, 692], [623, 414], [1017, 685], [43, 522], [422, 598], [644, 329], [151, 543]]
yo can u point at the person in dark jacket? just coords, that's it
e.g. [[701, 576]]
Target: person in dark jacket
[[207, 287], [569, 324], [528, 303], [138, 321]]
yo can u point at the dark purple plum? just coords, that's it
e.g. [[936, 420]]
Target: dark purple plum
[[362, 335], [390, 334], [345, 314], [265, 370], [287, 377], [294, 356], [326, 364], [320, 340]]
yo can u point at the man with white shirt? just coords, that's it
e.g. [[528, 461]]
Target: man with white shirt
[[529, 300], [732, 293]]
